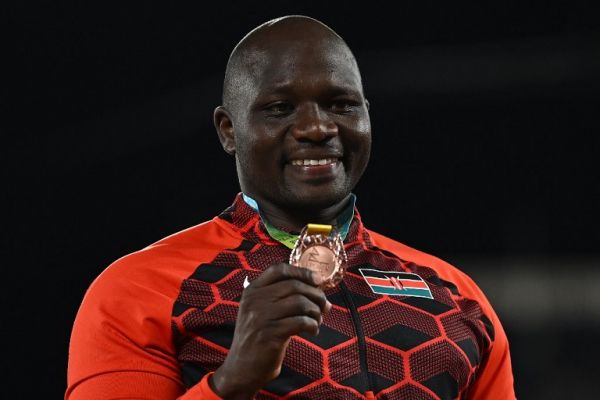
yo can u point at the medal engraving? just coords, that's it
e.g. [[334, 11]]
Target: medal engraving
[[319, 259], [320, 249]]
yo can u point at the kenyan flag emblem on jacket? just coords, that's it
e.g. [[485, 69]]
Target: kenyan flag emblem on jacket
[[396, 283]]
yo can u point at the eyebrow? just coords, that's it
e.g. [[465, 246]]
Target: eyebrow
[[286, 88]]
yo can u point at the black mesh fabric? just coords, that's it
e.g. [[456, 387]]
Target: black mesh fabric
[[413, 348]]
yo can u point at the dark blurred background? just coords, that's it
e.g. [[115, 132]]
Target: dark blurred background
[[485, 126]]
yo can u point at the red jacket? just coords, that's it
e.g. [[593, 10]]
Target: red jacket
[[155, 322]]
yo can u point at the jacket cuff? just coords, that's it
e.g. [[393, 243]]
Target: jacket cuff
[[205, 391]]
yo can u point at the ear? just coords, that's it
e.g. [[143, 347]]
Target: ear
[[368, 104], [224, 126]]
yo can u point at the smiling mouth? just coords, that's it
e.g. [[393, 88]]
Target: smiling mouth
[[314, 162]]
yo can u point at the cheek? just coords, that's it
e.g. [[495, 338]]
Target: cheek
[[359, 142], [245, 154], [359, 146], [364, 127], [363, 134], [256, 156]]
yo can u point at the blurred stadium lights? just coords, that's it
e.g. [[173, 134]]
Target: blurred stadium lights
[[530, 292], [550, 310]]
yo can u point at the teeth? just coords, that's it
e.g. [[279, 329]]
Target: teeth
[[322, 161]]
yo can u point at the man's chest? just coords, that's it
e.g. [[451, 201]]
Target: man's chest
[[395, 328]]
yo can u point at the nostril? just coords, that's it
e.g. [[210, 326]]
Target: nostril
[[316, 131]]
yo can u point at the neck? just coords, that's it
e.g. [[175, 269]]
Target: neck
[[295, 220]]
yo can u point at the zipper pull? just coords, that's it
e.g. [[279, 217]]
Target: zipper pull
[[369, 395]]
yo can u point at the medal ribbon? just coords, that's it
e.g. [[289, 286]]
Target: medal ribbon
[[289, 239]]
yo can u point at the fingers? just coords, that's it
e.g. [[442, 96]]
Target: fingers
[[287, 298], [284, 300], [280, 272], [284, 280], [283, 289], [295, 325], [296, 305]]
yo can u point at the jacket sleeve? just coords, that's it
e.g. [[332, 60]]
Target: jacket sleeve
[[121, 344], [494, 380]]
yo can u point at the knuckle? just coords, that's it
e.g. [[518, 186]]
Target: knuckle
[[296, 285], [311, 309], [275, 269], [306, 308], [297, 273], [322, 300], [311, 325], [305, 273], [280, 268], [247, 297], [308, 322]]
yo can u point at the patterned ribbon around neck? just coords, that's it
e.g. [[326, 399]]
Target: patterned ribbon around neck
[[289, 239]]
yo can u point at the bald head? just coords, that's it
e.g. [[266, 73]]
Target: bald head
[[275, 36], [293, 93]]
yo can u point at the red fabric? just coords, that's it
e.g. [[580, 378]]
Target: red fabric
[[495, 380], [155, 323], [122, 342], [205, 391]]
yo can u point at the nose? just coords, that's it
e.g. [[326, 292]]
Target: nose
[[312, 124]]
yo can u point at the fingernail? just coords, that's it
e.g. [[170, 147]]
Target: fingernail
[[327, 305]]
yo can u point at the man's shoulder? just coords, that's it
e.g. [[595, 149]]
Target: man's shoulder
[[174, 257], [408, 253], [443, 269], [208, 235]]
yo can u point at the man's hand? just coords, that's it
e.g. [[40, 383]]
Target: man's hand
[[282, 302]]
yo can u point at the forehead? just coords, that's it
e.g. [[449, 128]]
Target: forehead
[[320, 65]]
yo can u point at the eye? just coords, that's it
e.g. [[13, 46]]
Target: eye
[[344, 106], [278, 109]]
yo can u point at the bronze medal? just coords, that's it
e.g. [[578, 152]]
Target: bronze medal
[[320, 248]]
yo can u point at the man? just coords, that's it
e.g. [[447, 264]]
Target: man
[[216, 311]]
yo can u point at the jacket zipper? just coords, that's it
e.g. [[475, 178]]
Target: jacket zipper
[[362, 346]]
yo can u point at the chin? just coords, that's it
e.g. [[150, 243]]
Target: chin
[[318, 199]]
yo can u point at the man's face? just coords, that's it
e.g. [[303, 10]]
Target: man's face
[[302, 128]]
